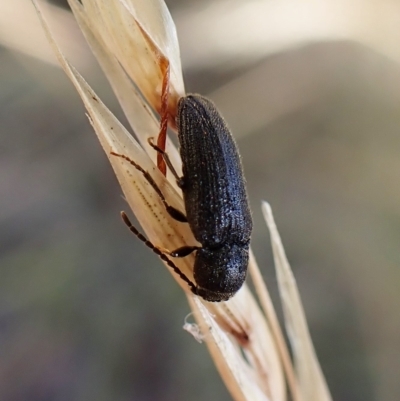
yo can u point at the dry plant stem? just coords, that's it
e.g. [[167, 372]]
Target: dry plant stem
[[311, 379], [138, 113], [139, 34], [243, 320], [242, 380], [266, 304]]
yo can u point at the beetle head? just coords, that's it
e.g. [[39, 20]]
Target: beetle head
[[219, 273]]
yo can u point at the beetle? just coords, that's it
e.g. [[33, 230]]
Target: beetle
[[215, 199]]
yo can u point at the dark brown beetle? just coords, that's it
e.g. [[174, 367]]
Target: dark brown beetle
[[215, 198]]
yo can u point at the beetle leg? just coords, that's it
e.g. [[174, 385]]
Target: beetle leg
[[173, 212], [183, 251], [158, 252], [166, 158]]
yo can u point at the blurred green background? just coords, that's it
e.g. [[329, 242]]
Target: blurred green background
[[311, 90]]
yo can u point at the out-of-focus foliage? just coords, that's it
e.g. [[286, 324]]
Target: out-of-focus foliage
[[87, 313]]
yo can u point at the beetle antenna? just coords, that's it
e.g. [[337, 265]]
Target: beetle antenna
[[173, 212], [158, 252]]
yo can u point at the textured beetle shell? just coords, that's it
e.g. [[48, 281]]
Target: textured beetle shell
[[213, 183]]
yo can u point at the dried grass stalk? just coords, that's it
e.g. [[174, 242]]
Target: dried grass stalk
[[247, 345]]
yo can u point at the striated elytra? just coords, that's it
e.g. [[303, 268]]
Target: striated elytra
[[215, 197]]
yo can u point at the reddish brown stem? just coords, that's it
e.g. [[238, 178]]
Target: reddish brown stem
[[162, 136]]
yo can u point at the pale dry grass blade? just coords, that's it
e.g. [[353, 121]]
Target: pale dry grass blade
[[242, 346], [139, 115], [155, 19], [272, 318], [242, 319], [311, 379], [141, 43]]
